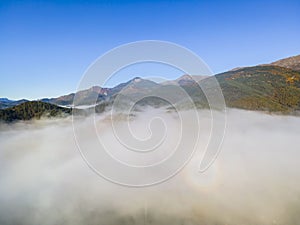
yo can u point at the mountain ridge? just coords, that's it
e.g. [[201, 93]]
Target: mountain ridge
[[268, 87], [292, 62], [32, 109]]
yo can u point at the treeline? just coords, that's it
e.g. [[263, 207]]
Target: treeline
[[32, 109]]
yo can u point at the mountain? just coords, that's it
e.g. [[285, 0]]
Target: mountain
[[6, 103], [64, 100], [5, 100], [88, 96], [291, 63], [32, 109], [135, 85], [185, 80], [269, 88], [266, 87]]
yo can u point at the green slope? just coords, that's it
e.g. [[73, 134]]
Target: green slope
[[270, 88], [32, 109]]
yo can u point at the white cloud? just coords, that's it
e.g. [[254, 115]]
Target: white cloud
[[255, 180]]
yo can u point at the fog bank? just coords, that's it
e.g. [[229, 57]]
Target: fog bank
[[255, 179]]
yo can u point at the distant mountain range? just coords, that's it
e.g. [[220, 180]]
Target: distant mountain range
[[271, 87], [6, 103]]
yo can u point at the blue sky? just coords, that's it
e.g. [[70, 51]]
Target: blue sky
[[45, 46]]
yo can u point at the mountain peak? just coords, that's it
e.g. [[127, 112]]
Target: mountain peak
[[185, 77], [292, 62], [137, 79]]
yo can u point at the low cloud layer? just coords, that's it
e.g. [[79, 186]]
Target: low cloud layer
[[255, 179]]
